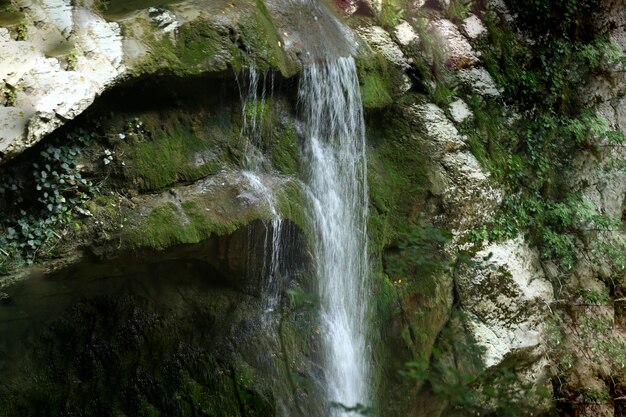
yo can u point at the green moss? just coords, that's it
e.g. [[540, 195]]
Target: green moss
[[397, 169], [200, 47], [385, 301], [262, 40], [284, 152], [166, 160], [168, 225], [203, 46], [276, 133], [292, 204], [392, 11], [199, 42], [380, 81], [374, 92], [125, 355]]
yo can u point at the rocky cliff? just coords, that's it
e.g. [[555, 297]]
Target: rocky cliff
[[133, 244]]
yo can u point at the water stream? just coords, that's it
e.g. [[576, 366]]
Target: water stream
[[335, 183], [337, 190]]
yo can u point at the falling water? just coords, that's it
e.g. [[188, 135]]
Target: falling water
[[336, 186], [337, 189], [275, 269], [255, 165]]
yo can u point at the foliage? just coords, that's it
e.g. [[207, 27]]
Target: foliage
[[429, 61], [554, 224], [457, 10], [530, 153], [72, 60], [9, 97], [587, 335], [38, 206], [22, 30], [559, 18], [391, 13], [531, 148], [420, 248], [456, 373]]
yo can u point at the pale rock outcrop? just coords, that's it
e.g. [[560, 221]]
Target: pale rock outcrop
[[459, 111], [473, 27], [467, 194], [457, 50], [506, 298], [479, 80], [375, 5], [380, 40], [501, 8], [48, 91], [503, 291], [164, 19], [405, 34]]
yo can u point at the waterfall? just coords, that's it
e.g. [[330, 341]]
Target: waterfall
[[275, 269], [337, 191], [335, 183]]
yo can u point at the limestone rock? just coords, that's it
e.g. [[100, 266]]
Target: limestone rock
[[479, 80], [500, 7], [473, 27], [459, 111], [457, 50], [46, 94], [405, 34], [381, 41], [467, 194], [506, 296], [164, 19]]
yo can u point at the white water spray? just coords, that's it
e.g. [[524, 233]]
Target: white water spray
[[337, 189]]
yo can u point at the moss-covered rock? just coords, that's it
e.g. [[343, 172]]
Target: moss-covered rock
[[244, 37], [381, 82]]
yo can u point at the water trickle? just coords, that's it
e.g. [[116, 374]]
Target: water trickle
[[256, 165], [337, 191], [254, 104]]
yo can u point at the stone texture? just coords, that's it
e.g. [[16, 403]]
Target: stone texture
[[164, 19], [47, 91], [459, 111], [506, 297], [405, 34], [380, 40], [457, 50], [479, 80], [467, 194], [473, 27]]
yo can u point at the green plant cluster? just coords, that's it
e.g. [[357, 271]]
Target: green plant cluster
[[530, 153], [456, 373], [420, 252], [458, 10], [556, 18], [22, 30], [39, 204], [391, 13]]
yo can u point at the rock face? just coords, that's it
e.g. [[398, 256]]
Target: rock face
[[380, 40], [468, 196], [174, 244], [45, 90], [507, 298], [458, 52]]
